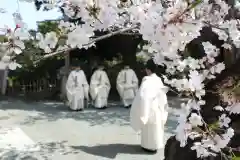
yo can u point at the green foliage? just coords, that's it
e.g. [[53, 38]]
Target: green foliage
[[52, 25], [141, 59], [32, 53], [3, 38], [141, 44], [214, 126], [194, 4], [236, 89], [112, 63], [235, 158], [48, 26]]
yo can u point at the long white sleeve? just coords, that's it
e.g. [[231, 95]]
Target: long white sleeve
[[140, 108]]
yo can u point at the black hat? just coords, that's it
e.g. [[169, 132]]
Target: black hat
[[126, 64], [151, 65], [100, 66], [76, 63]]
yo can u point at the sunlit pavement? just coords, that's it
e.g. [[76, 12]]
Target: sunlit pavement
[[49, 131]]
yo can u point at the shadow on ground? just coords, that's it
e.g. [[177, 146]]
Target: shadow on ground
[[171, 124], [55, 111], [47, 150], [111, 150], [50, 111], [37, 111]]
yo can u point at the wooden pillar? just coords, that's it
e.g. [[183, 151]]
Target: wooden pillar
[[4, 77], [64, 76], [67, 60]]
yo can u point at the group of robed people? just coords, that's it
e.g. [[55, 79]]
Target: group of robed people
[[148, 103], [78, 89]]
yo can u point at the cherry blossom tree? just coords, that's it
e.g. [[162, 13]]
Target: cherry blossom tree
[[168, 27]]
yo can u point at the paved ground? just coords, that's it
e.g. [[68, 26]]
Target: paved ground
[[48, 131]]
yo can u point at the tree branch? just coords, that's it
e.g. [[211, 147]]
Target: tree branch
[[92, 41]]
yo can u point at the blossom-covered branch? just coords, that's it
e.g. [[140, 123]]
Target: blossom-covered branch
[[91, 42], [168, 30]]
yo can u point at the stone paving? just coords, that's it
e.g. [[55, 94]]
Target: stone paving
[[49, 131]]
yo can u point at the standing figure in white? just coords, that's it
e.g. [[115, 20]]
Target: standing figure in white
[[99, 88], [77, 89], [149, 113], [127, 85]]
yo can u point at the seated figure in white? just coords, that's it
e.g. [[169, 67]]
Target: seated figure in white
[[99, 88], [149, 113], [127, 85], [77, 89]]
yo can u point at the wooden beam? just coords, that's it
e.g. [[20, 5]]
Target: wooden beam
[[92, 41]]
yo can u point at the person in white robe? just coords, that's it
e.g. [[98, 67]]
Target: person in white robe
[[99, 88], [127, 85], [77, 89], [148, 113]]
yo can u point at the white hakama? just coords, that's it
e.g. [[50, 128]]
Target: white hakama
[[148, 114], [77, 89], [99, 88], [127, 86]]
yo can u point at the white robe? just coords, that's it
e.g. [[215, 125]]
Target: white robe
[[99, 88], [148, 114], [127, 85], [77, 89]]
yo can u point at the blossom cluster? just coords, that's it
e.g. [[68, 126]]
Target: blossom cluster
[[167, 26], [196, 72]]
